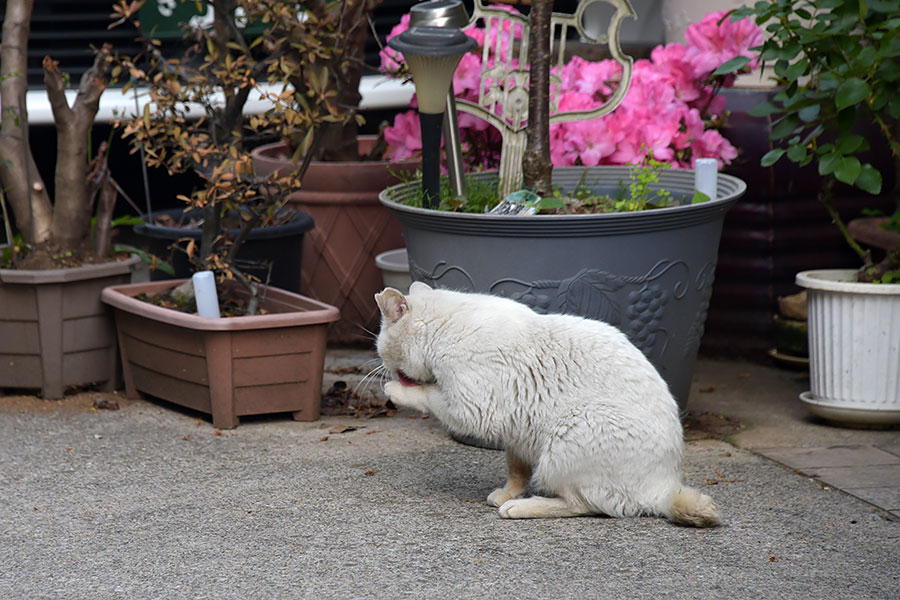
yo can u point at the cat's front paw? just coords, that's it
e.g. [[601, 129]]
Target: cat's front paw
[[415, 397], [499, 497], [393, 390]]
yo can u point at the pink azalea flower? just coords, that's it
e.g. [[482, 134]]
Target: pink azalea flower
[[390, 58], [405, 135], [667, 113], [467, 77], [710, 44]]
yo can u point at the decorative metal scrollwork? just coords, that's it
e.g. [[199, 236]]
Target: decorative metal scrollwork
[[503, 93]]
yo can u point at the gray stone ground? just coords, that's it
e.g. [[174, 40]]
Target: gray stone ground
[[150, 502]]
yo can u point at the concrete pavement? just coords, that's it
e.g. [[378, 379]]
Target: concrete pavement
[[864, 463], [150, 501]]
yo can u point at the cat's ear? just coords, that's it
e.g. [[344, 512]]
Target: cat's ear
[[417, 287], [392, 304]]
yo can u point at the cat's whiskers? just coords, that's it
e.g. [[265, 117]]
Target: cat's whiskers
[[380, 372], [371, 334]]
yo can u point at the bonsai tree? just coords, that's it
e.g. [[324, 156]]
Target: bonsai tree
[[58, 231], [197, 124], [838, 63]]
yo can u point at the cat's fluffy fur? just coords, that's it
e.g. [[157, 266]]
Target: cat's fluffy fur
[[580, 411]]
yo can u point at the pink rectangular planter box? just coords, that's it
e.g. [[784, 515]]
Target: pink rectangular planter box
[[227, 367]]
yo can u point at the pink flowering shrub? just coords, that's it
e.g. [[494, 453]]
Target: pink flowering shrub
[[672, 111]]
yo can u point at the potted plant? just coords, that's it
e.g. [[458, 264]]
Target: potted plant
[[268, 357], [837, 63], [272, 252], [55, 332], [649, 272], [344, 173]]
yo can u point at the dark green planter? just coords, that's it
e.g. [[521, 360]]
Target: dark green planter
[[648, 273]]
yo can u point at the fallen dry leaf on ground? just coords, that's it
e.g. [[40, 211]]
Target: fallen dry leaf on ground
[[106, 403], [342, 429]]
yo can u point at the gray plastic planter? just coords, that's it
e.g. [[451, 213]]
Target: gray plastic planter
[[648, 273]]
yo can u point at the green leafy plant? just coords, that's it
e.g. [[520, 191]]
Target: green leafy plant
[[10, 252], [639, 194], [838, 63]]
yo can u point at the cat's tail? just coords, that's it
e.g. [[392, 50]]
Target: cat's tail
[[691, 508]]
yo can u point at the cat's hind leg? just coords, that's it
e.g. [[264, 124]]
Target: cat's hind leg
[[517, 479], [538, 507]]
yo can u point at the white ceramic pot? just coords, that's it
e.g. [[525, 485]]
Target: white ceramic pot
[[394, 265], [854, 348]]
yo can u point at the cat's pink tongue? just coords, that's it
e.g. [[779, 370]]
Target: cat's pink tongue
[[406, 380]]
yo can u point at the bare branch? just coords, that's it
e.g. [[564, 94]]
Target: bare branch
[[72, 215]]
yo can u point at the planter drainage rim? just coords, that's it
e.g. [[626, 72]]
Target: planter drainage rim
[[845, 414], [843, 280], [69, 274], [315, 313]]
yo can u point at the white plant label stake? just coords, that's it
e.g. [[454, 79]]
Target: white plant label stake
[[205, 294], [706, 171]]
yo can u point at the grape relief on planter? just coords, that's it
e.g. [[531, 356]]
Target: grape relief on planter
[[703, 284], [634, 304], [503, 90], [443, 276]]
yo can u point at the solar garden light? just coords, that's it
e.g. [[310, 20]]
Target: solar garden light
[[446, 13], [432, 55]]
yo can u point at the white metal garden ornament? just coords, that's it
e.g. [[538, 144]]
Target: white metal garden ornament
[[503, 93]]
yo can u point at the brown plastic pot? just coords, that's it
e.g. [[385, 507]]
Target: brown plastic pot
[[227, 367], [352, 228], [55, 332]]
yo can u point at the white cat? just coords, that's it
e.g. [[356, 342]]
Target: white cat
[[580, 411]]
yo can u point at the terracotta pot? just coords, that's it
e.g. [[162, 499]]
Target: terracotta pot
[[54, 330], [352, 228], [226, 367]]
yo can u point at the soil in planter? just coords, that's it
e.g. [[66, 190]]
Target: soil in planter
[[229, 304], [45, 258]]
